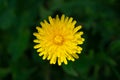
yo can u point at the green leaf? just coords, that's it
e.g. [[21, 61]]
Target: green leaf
[[4, 72], [44, 13], [83, 65], [26, 19], [19, 45], [115, 47], [7, 19], [103, 58], [21, 70], [69, 69], [107, 71]]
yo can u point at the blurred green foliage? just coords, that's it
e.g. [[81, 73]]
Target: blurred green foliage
[[99, 60]]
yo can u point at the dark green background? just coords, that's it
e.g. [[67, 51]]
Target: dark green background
[[99, 60]]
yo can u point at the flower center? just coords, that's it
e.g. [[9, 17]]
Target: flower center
[[58, 39]]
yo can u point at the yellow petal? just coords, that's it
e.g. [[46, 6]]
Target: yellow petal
[[76, 29], [70, 20], [50, 20], [37, 46], [62, 18]]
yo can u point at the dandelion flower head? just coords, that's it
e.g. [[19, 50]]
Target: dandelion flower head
[[59, 40]]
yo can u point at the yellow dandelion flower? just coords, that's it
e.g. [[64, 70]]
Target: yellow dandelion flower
[[58, 40]]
